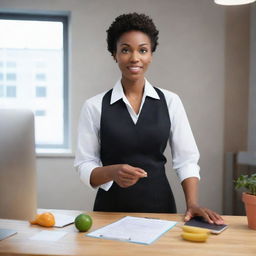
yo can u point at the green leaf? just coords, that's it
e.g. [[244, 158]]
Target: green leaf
[[247, 182]]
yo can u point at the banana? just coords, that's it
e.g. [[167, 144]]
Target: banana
[[191, 229], [195, 237]]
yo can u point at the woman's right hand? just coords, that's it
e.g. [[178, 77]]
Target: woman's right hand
[[126, 175]]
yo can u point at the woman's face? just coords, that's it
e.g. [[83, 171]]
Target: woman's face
[[133, 55]]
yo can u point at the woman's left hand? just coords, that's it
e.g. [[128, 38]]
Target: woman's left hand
[[209, 215]]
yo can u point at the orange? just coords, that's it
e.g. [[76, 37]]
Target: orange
[[45, 219], [34, 221]]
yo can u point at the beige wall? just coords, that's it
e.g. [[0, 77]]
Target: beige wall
[[236, 92], [237, 78], [190, 61], [252, 92]]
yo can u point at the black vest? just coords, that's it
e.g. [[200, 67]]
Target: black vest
[[140, 145]]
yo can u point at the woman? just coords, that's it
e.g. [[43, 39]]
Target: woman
[[124, 132]]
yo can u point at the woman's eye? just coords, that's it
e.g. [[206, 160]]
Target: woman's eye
[[143, 50], [124, 50]]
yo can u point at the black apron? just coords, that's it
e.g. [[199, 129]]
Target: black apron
[[140, 145]]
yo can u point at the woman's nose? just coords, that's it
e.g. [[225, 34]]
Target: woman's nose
[[134, 57]]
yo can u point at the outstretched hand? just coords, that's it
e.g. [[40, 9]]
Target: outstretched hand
[[127, 175], [208, 215]]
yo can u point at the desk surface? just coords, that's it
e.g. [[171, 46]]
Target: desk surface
[[237, 240]]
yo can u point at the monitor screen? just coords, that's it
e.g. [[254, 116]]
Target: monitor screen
[[18, 192]]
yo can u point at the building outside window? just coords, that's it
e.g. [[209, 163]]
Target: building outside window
[[10, 76], [10, 64], [40, 91], [11, 91], [41, 77], [1, 90], [33, 73], [40, 113]]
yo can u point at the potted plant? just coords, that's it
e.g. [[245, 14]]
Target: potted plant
[[248, 197]]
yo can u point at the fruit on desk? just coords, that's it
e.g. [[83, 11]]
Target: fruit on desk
[[195, 234], [195, 237], [83, 222], [45, 219], [191, 229]]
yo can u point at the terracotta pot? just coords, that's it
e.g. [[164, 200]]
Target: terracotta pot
[[250, 208]]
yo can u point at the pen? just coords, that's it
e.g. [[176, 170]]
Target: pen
[[151, 218], [115, 238]]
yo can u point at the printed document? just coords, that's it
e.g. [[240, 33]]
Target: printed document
[[134, 229]]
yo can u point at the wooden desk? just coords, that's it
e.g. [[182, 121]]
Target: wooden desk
[[236, 240]]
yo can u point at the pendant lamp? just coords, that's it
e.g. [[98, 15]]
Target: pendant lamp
[[233, 2]]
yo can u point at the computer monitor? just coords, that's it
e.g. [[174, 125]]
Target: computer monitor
[[18, 191]]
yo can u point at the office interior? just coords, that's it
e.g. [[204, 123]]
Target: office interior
[[206, 55]]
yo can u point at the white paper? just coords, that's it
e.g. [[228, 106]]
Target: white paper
[[48, 235], [134, 229], [61, 220]]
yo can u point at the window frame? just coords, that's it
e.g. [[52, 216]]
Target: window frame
[[64, 18]]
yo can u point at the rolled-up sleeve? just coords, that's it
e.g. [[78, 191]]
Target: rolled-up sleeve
[[88, 146], [185, 154]]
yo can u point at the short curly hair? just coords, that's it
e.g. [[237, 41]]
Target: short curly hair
[[129, 22]]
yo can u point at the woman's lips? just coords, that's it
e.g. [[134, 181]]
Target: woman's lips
[[135, 69]]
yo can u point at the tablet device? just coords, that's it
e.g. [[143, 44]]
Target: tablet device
[[199, 222]]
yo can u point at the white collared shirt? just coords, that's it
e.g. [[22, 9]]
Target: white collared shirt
[[185, 154]]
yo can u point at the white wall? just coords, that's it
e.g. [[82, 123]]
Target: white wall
[[189, 61]]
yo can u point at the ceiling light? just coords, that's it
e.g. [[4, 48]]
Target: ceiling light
[[233, 2]]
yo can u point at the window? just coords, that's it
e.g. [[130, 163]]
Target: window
[[39, 113], [10, 64], [1, 90], [40, 91], [11, 76], [10, 91], [34, 49], [41, 77]]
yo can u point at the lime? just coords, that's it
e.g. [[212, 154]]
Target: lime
[[83, 222]]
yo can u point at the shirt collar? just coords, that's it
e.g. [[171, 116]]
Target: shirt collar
[[118, 92]]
